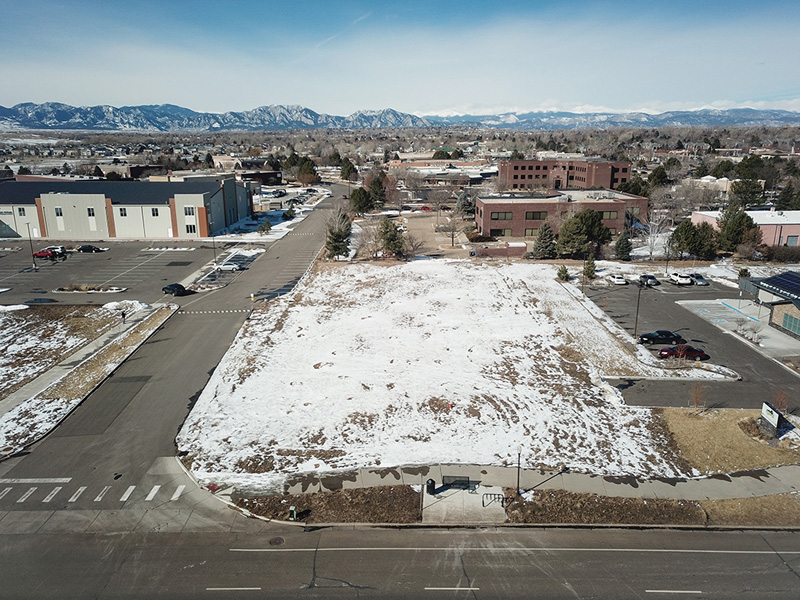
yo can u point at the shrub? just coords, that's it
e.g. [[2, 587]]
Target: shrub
[[563, 274]]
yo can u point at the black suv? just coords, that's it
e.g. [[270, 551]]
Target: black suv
[[176, 289], [662, 336]]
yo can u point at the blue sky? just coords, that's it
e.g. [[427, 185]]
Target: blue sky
[[423, 57]]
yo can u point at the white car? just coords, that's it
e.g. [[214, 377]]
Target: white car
[[680, 279], [228, 266], [618, 280]]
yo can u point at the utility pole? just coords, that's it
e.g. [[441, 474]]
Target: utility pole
[[30, 241]]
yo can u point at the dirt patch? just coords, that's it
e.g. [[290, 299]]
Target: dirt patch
[[712, 441], [384, 504], [561, 506], [780, 510]]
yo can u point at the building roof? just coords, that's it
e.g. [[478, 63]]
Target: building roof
[[120, 192], [763, 217], [786, 285], [583, 196]]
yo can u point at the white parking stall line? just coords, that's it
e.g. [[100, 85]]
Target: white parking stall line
[[177, 493], [27, 494], [127, 493], [102, 493], [77, 494], [673, 592], [52, 494], [38, 480], [152, 493], [4, 492]]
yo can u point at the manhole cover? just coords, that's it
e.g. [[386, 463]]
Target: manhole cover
[[277, 541]]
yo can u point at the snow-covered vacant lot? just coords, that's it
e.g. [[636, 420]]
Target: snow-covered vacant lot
[[425, 362]]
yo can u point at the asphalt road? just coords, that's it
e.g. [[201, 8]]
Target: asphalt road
[[113, 439], [762, 378], [375, 563]]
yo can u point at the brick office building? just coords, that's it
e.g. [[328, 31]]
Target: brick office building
[[562, 174], [515, 215]]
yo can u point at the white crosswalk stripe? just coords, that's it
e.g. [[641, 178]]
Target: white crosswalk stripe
[[152, 493], [127, 493], [100, 494], [77, 494], [27, 494], [52, 494]]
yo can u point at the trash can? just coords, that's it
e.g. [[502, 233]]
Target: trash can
[[430, 486]]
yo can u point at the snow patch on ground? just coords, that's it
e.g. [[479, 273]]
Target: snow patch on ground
[[420, 363]]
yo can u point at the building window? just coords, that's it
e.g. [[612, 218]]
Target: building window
[[502, 216], [190, 229], [522, 168], [538, 167], [791, 323], [571, 177], [530, 231], [499, 232], [516, 167], [59, 212], [516, 176], [624, 169], [188, 211], [154, 212], [123, 212], [791, 240], [536, 215], [608, 215], [90, 212], [513, 187], [635, 210], [544, 167], [21, 211]]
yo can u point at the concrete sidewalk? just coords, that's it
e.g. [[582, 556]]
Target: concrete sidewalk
[[725, 313], [480, 503]]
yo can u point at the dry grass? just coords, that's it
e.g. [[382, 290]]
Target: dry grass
[[780, 510], [712, 441]]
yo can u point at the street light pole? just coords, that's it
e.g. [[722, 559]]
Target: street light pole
[[30, 241], [519, 459], [636, 320]]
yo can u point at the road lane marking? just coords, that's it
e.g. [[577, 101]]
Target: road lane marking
[[177, 493], [127, 493], [5, 491], [510, 550], [673, 591], [102, 493], [233, 589], [52, 494], [27, 494], [51, 480], [152, 493], [77, 494], [452, 589]]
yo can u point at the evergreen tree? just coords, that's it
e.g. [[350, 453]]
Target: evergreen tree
[[562, 274], [733, 225], [23, 171], [391, 239], [746, 192], [624, 247], [360, 201], [545, 244], [339, 227], [723, 168], [589, 267], [377, 194], [440, 155], [307, 173], [705, 242], [348, 169], [701, 170], [658, 177], [582, 233], [571, 239], [786, 197], [682, 239], [466, 203]]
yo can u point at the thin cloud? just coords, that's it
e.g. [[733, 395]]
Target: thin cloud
[[343, 31]]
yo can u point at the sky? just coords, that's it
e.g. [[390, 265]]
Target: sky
[[421, 57]]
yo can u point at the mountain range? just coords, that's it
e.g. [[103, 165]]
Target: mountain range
[[168, 117]]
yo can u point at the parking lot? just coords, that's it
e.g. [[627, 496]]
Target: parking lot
[[143, 268], [700, 318]]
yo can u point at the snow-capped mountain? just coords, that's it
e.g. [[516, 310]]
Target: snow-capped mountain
[[168, 117]]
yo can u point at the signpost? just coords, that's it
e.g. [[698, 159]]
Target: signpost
[[771, 419]]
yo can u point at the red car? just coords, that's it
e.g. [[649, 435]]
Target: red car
[[49, 254], [684, 351]]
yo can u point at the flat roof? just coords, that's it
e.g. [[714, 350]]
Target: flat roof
[[762, 217], [582, 196], [120, 192]]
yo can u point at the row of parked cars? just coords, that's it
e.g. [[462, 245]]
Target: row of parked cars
[[679, 348], [648, 280], [60, 252]]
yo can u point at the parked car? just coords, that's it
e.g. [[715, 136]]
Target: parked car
[[680, 279], [683, 351], [228, 266], [425, 208], [662, 336], [89, 248], [176, 289], [648, 280], [58, 250], [618, 280], [698, 279], [50, 254]]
